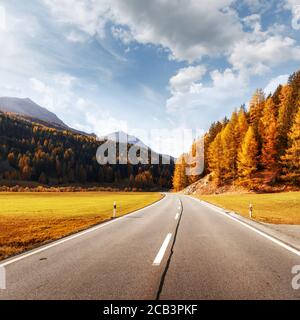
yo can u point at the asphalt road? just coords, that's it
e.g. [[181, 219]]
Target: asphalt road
[[177, 248]]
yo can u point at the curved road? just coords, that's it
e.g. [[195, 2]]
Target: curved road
[[178, 248]]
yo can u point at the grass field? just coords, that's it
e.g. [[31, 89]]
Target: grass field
[[280, 208], [31, 219]]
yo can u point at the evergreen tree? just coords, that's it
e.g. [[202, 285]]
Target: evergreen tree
[[286, 115], [255, 113], [256, 106], [180, 179], [291, 160], [215, 158], [269, 149], [229, 149], [193, 177], [294, 83], [247, 157], [241, 126], [269, 135]]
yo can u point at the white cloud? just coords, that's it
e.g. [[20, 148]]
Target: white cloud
[[13, 50], [56, 95], [253, 22], [290, 4], [227, 89], [275, 82], [28, 72], [76, 37], [45, 91], [121, 34], [151, 95], [99, 120], [88, 16], [181, 26], [78, 112], [187, 28], [262, 50], [185, 77], [258, 5], [294, 7], [2, 18]]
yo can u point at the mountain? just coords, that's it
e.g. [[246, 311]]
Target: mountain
[[34, 153], [123, 137], [28, 108]]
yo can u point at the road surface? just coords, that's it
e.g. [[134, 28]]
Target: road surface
[[177, 248]]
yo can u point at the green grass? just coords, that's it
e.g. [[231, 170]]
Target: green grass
[[31, 219], [280, 208]]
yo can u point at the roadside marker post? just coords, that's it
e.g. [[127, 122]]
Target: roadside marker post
[[115, 210], [250, 210]]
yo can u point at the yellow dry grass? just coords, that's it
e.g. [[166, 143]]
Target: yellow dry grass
[[279, 208], [31, 219]]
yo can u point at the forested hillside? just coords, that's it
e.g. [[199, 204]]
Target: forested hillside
[[33, 152], [256, 145]]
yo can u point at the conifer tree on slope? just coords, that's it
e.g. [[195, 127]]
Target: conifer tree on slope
[[269, 136], [229, 147], [180, 179], [291, 160], [241, 126], [247, 157], [194, 176], [286, 115], [257, 103], [215, 158]]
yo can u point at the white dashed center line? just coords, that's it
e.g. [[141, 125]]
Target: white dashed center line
[[162, 250]]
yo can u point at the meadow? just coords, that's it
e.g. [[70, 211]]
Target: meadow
[[278, 208], [31, 219]]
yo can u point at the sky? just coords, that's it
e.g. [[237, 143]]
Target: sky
[[140, 66]]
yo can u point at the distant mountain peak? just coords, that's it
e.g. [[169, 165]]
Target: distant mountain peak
[[123, 137], [28, 108]]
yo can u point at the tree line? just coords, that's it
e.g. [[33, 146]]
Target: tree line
[[263, 139], [35, 152]]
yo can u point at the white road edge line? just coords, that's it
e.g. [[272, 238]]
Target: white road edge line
[[2, 278], [162, 250], [74, 236], [176, 216], [278, 242]]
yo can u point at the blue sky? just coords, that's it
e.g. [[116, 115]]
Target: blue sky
[[107, 65]]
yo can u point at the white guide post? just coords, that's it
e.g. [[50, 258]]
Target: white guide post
[[115, 210]]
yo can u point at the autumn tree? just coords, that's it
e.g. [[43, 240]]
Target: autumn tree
[[269, 135], [294, 83], [229, 149], [43, 178], [25, 168], [209, 137], [256, 107], [195, 160], [286, 114], [247, 157], [241, 126], [180, 179], [215, 158], [291, 160]]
